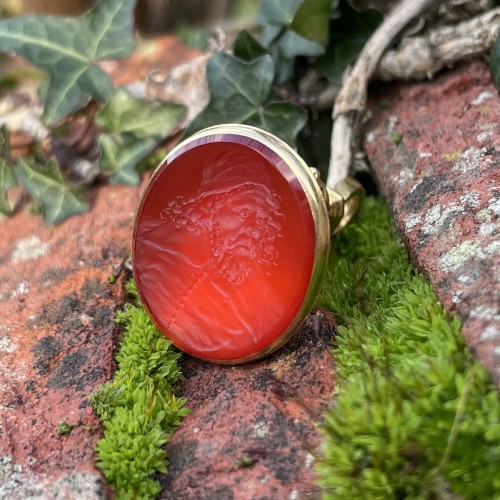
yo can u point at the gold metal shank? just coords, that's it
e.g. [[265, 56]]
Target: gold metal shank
[[352, 193], [342, 201]]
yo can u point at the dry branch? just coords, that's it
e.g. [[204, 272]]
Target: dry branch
[[421, 56], [351, 100]]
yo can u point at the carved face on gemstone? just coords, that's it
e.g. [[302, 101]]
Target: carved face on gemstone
[[242, 224]]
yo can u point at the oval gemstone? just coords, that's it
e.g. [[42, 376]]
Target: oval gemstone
[[224, 247]]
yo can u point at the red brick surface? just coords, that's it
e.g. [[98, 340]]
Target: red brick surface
[[56, 341], [443, 184], [265, 412]]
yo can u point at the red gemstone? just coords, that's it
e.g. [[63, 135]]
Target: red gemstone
[[224, 247]]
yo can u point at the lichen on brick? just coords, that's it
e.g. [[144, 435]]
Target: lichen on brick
[[458, 255], [29, 249], [439, 219], [6, 344]]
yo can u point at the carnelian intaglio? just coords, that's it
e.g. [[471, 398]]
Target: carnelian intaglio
[[224, 247]]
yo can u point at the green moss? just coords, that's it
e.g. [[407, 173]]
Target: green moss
[[245, 461], [64, 428], [414, 415], [396, 138], [139, 407]]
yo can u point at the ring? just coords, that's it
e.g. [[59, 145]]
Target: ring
[[231, 240]]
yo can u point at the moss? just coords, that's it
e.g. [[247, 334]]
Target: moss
[[414, 415], [139, 407], [64, 428], [396, 138], [245, 461]]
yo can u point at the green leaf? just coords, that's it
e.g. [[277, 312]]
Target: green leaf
[[58, 198], [120, 156], [7, 178], [239, 94], [348, 35], [312, 20], [277, 11], [287, 48], [68, 49], [247, 48], [306, 17], [123, 114], [7, 181], [495, 64], [283, 119], [4, 143], [269, 35], [338, 57], [292, 45], [135, 128]]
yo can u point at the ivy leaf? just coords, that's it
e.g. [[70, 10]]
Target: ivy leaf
[[277, 11], [286, 48], [269, 35], [239, 93], [4, 143], [123, 114], [68, 49], [338, 56], [246, 47], [349, 33], [7, 177], [7, 181], [120, 155], [58, 198], [312, 20], [133, 130], [292, 45], [495, 64], [285, 45], [283, 119]]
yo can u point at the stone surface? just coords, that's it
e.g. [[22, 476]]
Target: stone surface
[[435, 151], [56, 343], [252, 431]]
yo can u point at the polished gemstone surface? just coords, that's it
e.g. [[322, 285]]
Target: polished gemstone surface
[[224, 247]]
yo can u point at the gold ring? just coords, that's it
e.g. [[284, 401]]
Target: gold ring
[[231, 240]]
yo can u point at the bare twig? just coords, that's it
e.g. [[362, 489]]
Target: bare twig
[[419, 57], [422, 56], [351, 100]]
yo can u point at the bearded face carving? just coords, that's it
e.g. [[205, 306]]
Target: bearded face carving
[[241, 223]]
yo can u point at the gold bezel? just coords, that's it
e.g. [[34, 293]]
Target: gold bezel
[[319, 213]]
